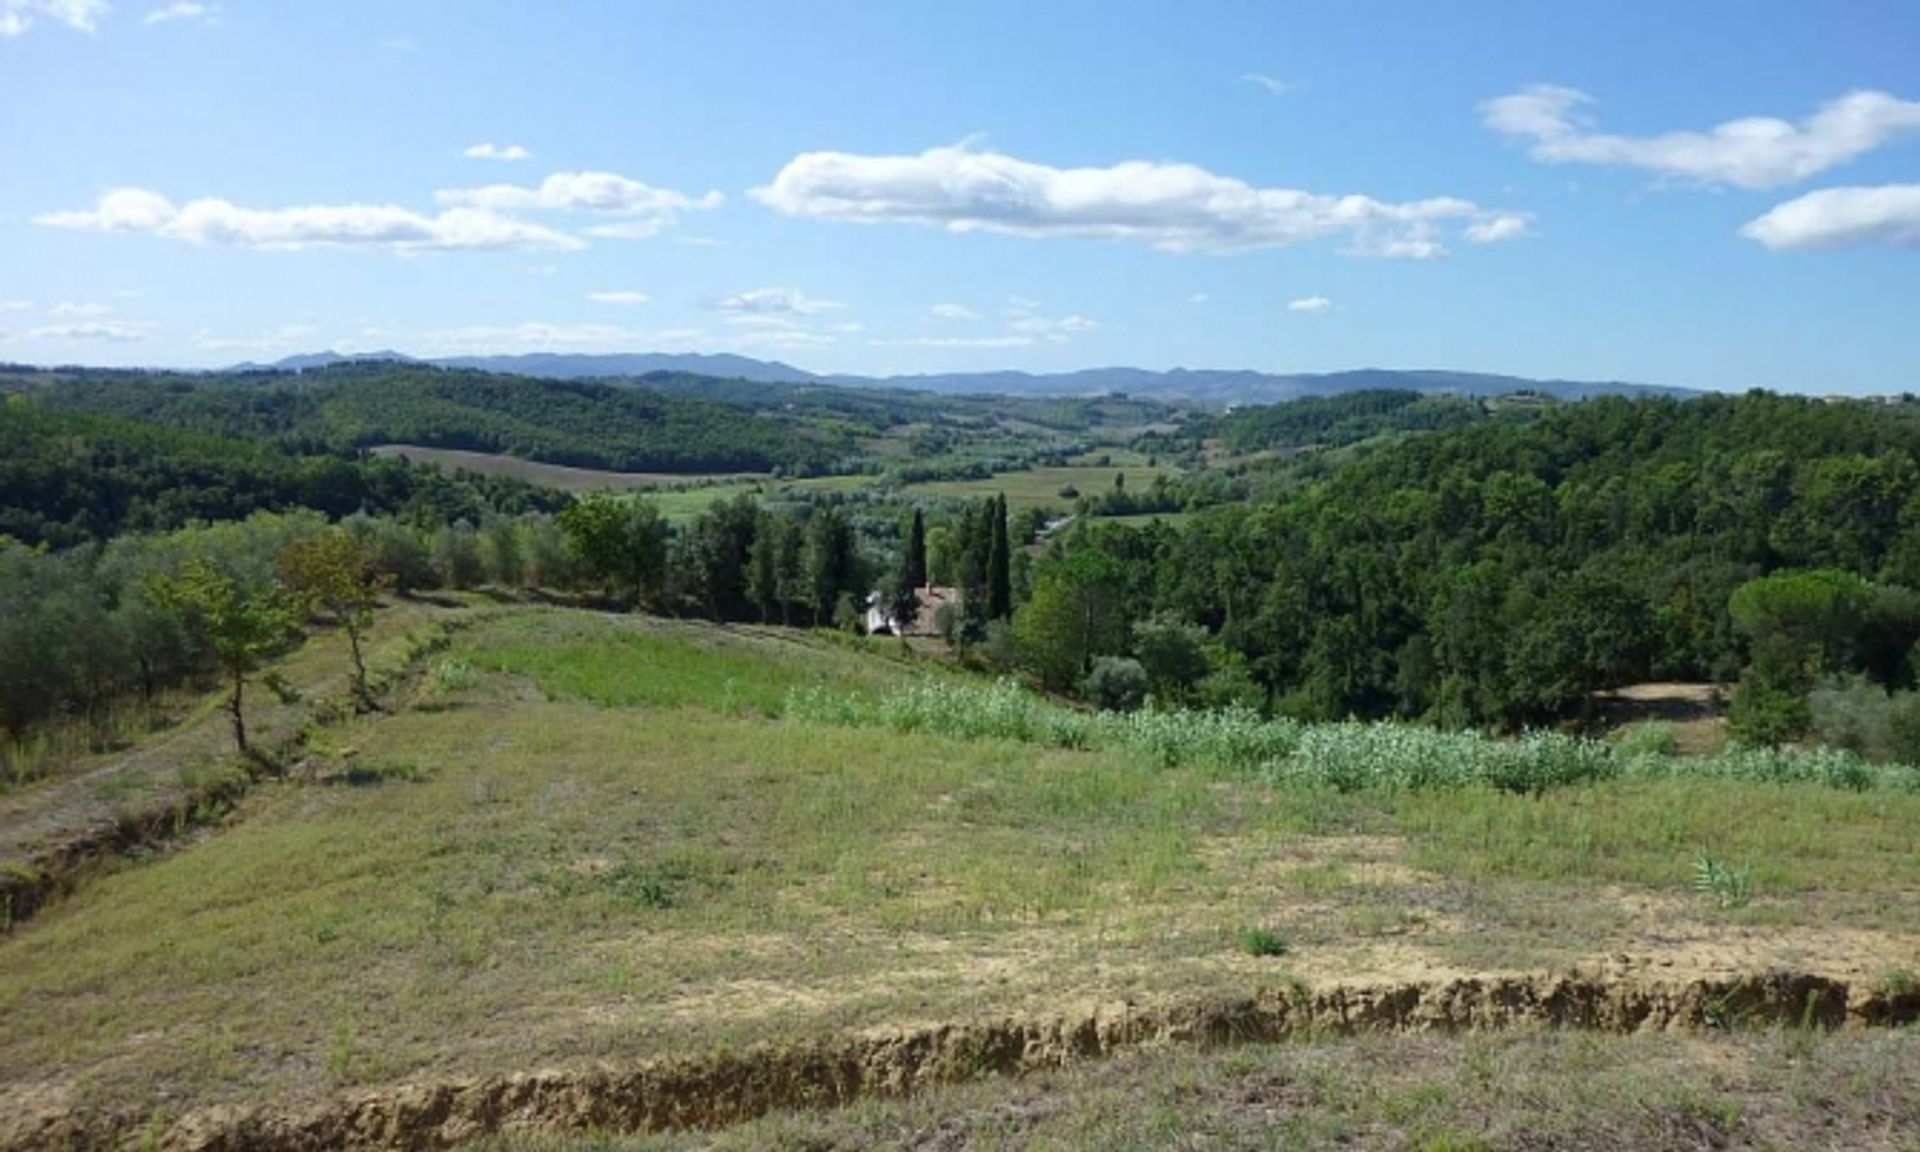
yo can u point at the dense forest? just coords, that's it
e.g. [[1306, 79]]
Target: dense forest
[[67, 478], [359, 405], [1345, 418], [1501, 572]]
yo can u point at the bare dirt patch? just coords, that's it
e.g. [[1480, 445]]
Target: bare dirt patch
[[1696, 712]]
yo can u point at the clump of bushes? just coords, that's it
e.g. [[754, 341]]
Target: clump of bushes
[[1344, 757]]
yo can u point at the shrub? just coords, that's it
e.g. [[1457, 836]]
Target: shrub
[[1852, 714], [1730, 887], [1347, 757], [1117, 683], [1766, 713], [1649, 738], [1262, 942], [1903, 729]]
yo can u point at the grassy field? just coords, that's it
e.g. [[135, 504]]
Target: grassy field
[[681, 497], [554, 475], [1041, 487], [602, 838]]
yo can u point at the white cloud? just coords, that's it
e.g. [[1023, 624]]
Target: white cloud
[[97, 332], [626, 299], [398, 44], [16, 305], [17, 17], [774, 301], [1842, 218], [1310, 304], [87, 308], [487, 150], [1022, 305], [1174, 207], [1053, 329], [1755, 152], [1198, 298], [643, 229], [1272, 85], [1499, 227], [956, 342], [577, 191], [180, 10], [642, 211], [213, 221], [959, 313]]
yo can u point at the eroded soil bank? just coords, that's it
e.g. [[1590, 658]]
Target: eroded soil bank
[[726, 1088]]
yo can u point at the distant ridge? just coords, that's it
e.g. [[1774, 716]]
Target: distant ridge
[[1204, 385]]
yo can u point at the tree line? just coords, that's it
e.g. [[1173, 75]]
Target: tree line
[[350, 406], [1501, 573], [67, 478]]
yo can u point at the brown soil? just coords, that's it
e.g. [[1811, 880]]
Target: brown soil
[[1697, 712], [726, 1088]]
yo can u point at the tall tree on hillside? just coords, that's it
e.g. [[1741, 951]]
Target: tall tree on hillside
[[763, 567], [240, 624], [1078, 612], [623, 541], [999, 564], [915, 572], [832, 564], [719, 546], [790, 565], [902, 598]]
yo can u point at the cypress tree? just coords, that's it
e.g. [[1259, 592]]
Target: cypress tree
[[916, 567], [999, 565]]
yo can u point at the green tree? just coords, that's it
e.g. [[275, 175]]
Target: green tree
[[999, 563], [621, 541], [832, 563], [241, 625], [334, 572], [1173, 654], [500, 550], [1078, 611], [943, 556], [763, 568], [1823, 611], [456, 554], [1117, 683], [915, 573]]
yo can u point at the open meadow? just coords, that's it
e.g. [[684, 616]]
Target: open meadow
[[582, 841]]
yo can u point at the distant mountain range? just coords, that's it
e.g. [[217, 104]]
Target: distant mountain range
[[1211, 386]]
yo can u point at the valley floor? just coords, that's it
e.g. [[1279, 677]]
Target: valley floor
[[581, 840]]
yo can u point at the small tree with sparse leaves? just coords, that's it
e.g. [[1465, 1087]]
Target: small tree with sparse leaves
[[241, 625], [334, 573]]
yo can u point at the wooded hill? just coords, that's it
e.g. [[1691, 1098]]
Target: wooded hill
[[357, 405]]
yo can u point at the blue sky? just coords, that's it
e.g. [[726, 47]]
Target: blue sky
[[1723, 195]]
